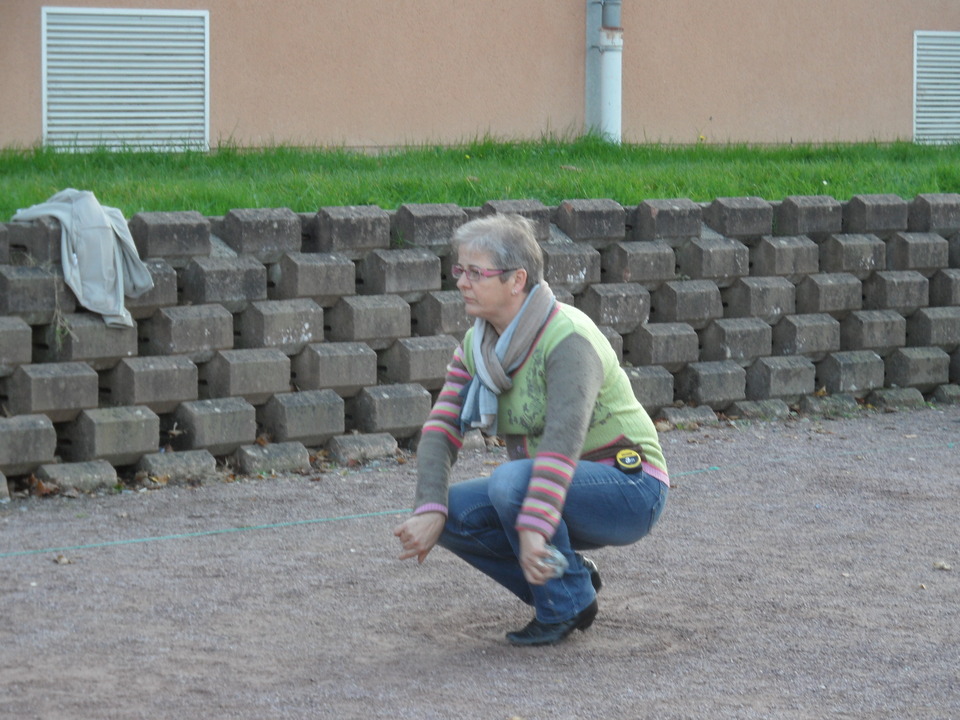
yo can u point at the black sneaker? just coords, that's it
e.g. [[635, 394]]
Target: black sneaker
[[591, 566]]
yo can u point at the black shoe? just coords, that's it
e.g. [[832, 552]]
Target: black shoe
[[539, 633], [594, 572]]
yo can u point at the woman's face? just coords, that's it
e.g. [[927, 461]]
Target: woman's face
[[495, 299]]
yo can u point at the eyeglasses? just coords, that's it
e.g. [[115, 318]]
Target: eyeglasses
[[474, 274]]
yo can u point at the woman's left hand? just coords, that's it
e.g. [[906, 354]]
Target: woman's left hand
[[533, 551]]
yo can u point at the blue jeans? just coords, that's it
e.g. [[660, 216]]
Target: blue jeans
[[604, 506]]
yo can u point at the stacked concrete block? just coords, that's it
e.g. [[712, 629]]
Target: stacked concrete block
[[621, 306], [853, 372], [716, 384], [923, 368], [181, 466], [344, 367], [792, 257], [718, 259], [158, 383], [924, 253], [838, 294], [534, 210], [426, 225], [934, 326], [812, 336], [321, 277], [880, 215], [649, 263], [287, 325], [440, 312], [311, 417], [672, 221], [571, 266], [766, 298], [652, 386], [881, 331], [254, 374], [420, 360], [163, 293], [35, 294], [743, 218], [273, 458], [82, 337], [231, 282], [26, 442], [87, 477], [856, 254], [351, 231], [945, 287], [399, 410], [670, 345], [119, 435], [597, 223], [262, 233], [741, 340], [4, 260], [175, 237], [936, 213], [34, 242], [695, 302], [377, 320], [783, 378], [408, 273], [218, 425], [16, 344], [815, 215], [905, 291], [196, 331], [61, 391]]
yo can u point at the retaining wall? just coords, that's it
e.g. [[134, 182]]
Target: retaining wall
[[270, 332]]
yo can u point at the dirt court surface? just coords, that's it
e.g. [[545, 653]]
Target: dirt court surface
[[802, 569]]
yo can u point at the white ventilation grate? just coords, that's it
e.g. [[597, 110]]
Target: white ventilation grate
[[125, 78], [936, 87]]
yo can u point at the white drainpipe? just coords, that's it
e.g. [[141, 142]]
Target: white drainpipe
[[604, 69]]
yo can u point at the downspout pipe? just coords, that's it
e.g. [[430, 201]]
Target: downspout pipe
[[604, 69]]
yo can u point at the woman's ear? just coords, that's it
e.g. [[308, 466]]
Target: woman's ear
[[520, 280]]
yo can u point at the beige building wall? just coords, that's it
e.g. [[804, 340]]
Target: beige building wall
[[377, 73]]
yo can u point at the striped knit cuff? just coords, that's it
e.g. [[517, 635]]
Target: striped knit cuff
[[430, 507]]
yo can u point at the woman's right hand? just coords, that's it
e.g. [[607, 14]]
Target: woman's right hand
[[419, 533]]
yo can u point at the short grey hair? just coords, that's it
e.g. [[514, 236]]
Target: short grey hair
[[508, 239]]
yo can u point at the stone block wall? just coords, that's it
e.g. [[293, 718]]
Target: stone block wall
[[323, 330]]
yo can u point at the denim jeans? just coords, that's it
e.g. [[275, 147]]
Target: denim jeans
[[604, 506]]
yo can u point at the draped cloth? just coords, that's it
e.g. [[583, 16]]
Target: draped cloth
[[496, 356]]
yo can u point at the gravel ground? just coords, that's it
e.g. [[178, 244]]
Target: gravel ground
[[805, 568]]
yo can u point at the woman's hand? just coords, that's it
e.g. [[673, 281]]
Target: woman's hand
[[418, 534], [533, 551]]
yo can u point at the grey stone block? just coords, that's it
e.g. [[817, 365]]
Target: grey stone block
[[721, 260], [893, 399], [195, 331], [935, 326], [399, 410], [786, 378], [440, 312], [759, 410], [344, 368], [254, 374], [571, 266], [672, 220], [321, 277], [621, 306], [421, 360], [159, 383], [857, 254], [936, 213], [16, 344], [263, 233], [351, 230], [597, 222], [119, 435], [695, 302], [219, 425], [534, 210], [83, 337], [358, 449], [311, 417], [86, 477], [954, 244], [232, 282], [922, 368], [34, 242], [34, 294], [287, 325], [426, 225], [717, 384], [832, 406], [945, 287], [176, 237], [649, 263], [923, 252], [377, 320], [855, 372], [878, 214], [26, 442], [955, 366], [58, 390], [285, 457], [838, 294], [4, 260], [812, 336], [905, 291], [766, 298], [409, 273], [809, 215], [881, 331], [670, 345], [689, 418], [947, 394], [162, 294], [792, 257], [178, 467], [741, 340], [740, 217]]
